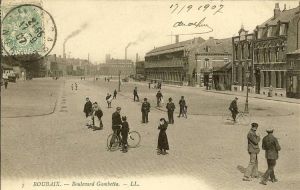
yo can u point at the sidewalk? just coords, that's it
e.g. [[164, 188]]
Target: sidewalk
[[241, 94]]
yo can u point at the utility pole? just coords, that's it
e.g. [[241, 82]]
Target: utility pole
[[119, 81]]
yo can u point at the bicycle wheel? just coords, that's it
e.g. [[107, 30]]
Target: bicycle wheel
[[244, 119], [113, 142], [134, 139]]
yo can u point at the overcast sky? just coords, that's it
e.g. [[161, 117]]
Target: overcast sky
[[108, 26]]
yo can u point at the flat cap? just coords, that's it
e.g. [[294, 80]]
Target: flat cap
[[254, 125], [118, 108], [269, 130]]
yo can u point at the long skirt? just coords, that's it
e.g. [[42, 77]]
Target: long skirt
[[163, 141]]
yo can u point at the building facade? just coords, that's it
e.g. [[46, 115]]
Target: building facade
[[112, 69], [242, 64], [293, 74], [140, 69], [273, 40]]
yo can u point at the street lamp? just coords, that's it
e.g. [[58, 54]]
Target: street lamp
[[119, 81], [246, 104]]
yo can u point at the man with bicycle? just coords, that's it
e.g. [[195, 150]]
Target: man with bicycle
[[116, 124], [234, 108]]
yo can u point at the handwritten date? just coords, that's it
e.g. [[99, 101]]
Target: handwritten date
[[187, 8]]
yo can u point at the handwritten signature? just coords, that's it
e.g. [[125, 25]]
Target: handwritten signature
[[196, 24]]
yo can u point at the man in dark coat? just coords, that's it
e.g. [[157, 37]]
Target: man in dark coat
[[234, 108], [124, 133], [253, 150], [116, 124], [271, 146], [88, 109], [135, 94], [145, 110], [158, 98], [182, 104], [170, 107]]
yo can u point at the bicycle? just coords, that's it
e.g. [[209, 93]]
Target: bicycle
[[113, 141], [242, 118]]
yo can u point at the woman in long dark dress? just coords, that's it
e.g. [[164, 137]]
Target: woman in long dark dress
[[163, 144]]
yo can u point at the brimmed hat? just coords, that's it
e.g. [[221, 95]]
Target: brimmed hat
[[269, 130], [254, 125], [118, 108]]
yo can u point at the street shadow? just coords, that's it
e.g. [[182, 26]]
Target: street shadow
[[243, 170]]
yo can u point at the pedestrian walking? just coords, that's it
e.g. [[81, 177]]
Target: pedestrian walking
[[234, 108], [115, 94], [135, 94], [182, 104], [5, 84], [149, 85], [109, 100], [88, 110], [124, 133], [253, 150], [145, 111], [159, 97], [97, 117], [116, 125], [170, 108], [162, 144], [75, 86], [271, 146]]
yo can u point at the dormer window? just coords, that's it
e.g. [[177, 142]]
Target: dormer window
[[269, 34], [283, 30]]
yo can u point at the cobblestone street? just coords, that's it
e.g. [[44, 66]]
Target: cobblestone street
[[203, 149]]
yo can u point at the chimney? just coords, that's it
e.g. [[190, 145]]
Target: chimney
[[176, 38], [136, 57], [276, 10]]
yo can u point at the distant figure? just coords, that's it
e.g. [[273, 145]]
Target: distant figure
[[105, 79], [270, 94], [88, 110], [163, 144], [159, 97], [108, 80], [108, 100], [253, 150], [149, 85], [75, 86], [271, 146], [72, 86], [124, 134], [97, 115], [135, 94], [170, 108], [115, 94], [182, 105], [145, 111], [5, 84], [234, 109]]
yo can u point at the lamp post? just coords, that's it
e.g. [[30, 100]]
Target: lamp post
[[246, 104], [119, 81]]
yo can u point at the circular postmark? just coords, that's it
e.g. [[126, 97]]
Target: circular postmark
[[28, 32]]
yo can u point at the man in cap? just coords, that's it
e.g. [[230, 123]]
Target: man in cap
[[253, 150], [182, 104], [234, 108], [88, 110], [116, 124], [145, 110], [271, 146], [170, 107]]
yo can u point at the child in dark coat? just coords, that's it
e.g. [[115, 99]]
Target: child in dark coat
[[124, 133], [162, 144]]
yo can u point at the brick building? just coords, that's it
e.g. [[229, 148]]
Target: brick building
[[140, 69], [293, 74], [112, 67], [273, 40], [242, 60]]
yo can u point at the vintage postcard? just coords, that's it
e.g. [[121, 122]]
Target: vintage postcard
[[143, 95]]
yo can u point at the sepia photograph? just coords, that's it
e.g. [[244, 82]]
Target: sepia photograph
[[150, 94]]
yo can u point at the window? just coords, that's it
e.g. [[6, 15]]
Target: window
[[265, 55], [249, 51], [276, 54], [282, 30], [236, 74], [292, 63], [242, 52], [269, 34], [260, 33], [236, 51], [269, 56], [270, 78], [206, 63], [277, 85], [282, 79]]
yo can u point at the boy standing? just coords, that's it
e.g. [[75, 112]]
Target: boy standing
[[124, 133]]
